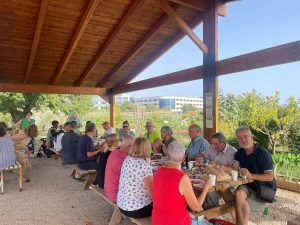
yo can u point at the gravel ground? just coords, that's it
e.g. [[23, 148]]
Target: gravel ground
[[54, 198]]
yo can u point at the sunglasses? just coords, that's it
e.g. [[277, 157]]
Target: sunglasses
[[125, 126]]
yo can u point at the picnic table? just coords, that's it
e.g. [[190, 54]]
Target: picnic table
[[223, 187]]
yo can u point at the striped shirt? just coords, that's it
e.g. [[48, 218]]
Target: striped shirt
[[7, 152], [226, 157]]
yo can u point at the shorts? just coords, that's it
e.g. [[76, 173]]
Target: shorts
[[255, 203]]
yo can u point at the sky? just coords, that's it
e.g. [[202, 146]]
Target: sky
[[250, 25]]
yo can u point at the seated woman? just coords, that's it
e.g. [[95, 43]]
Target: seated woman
[[135, 186], [172, 192], [20, 142], [112, 142], [166, 133], [7, 150]]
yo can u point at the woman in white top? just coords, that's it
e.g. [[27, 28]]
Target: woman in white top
[[135, 186]]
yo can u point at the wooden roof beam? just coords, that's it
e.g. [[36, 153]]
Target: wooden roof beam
[[134, 50], [277, 55], [51, 89], [36, 38], [154, 56], [112, 37], [182, 25], [76, 38], [202, 5]]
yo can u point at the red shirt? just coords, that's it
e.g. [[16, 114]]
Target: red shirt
[[169, 206], [112, 174]]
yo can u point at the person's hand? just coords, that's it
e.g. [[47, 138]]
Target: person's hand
[[245, 172], [207, 185], [156, 145], [103, 147]]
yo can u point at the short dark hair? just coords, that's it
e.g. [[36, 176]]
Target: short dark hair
[[26, 112], [220, 137], [125, 122], [90, 127], [54, 122], [67, 124], [73, 124], [2, 131], [87, 122], [3, 124]]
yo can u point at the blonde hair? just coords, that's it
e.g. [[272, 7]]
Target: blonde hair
[[141, 148], [112, 139]]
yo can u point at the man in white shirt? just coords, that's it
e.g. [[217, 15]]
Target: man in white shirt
[[57, 142], [107, 129]]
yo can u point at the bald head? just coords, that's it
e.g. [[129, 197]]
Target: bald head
[[127, 143]]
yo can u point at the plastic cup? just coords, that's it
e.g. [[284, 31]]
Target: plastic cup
[[191, 165], [234, 175], [212, 179]]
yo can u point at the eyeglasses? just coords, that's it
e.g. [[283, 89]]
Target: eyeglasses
[[148, 126], [125, 126]]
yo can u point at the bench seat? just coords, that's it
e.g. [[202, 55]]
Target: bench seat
[[91, 174], [18, 167]]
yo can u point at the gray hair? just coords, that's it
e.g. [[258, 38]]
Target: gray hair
[[168, 129], [195, 126], [176, 151], [220, 137], [242, 128]]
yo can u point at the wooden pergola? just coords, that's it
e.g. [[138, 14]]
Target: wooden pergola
[[97, 47]]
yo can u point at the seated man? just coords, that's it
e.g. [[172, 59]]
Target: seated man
[[113, 168], [153, 136], [107, 129], [198, 144], [51, 131], [70, 145], [60, 134], [87, 153], [255, 163], [166, 133], [220, 153]]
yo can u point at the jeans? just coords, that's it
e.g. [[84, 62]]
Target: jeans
[[197, 222]]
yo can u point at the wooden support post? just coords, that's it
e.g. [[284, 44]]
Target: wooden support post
[[112, 105], [210, 80]]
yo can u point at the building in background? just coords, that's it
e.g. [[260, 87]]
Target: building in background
[[120, 99], [174, 103]]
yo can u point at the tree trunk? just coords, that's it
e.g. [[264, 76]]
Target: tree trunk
[[15, 115], [273, 146]]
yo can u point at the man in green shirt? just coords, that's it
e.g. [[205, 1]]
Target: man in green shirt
[[152, 135], [26, 121]]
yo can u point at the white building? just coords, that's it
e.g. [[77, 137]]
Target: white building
[[174, 103], [119, 100]]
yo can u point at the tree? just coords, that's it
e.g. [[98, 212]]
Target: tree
[[267, 115], [17, 103], [188, 108]]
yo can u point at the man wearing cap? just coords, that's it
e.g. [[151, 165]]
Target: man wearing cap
[[107, 129]]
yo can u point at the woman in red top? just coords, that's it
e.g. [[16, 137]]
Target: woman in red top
[[172, 192]]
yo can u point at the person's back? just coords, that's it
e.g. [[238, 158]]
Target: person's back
[[7, 154], [112, 174], [70, 146], [169, 205]]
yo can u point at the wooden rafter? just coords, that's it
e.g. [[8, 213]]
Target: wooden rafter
[[277, 55], [173, 41], [182, 25], [36, 38], [134, 50], [195, 4], [76, 38], [112, 37], [202, 5], [37, 88]]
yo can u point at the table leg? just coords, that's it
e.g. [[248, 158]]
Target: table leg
[[20, 178], [1, 182], [228, 197]]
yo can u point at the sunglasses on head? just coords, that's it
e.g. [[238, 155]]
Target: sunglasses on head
[[125, 126]]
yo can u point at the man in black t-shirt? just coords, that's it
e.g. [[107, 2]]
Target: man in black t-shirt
[[254, 163], [70, 145]]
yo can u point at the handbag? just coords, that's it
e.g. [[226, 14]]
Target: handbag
[[265, 193]]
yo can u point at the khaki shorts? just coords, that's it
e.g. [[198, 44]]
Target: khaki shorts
[[255, 203]]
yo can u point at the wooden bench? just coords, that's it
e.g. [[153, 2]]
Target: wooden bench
[[18, 167], [117, 215], [216, 211], [91, 174]]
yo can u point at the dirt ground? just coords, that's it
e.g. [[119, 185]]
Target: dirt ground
[[54, 198]]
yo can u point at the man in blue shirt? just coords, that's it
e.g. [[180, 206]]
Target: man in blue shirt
[[70, 145], [87, 154], [254, 163], [197, 144]]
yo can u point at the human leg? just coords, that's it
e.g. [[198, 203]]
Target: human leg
[[241, 205]]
